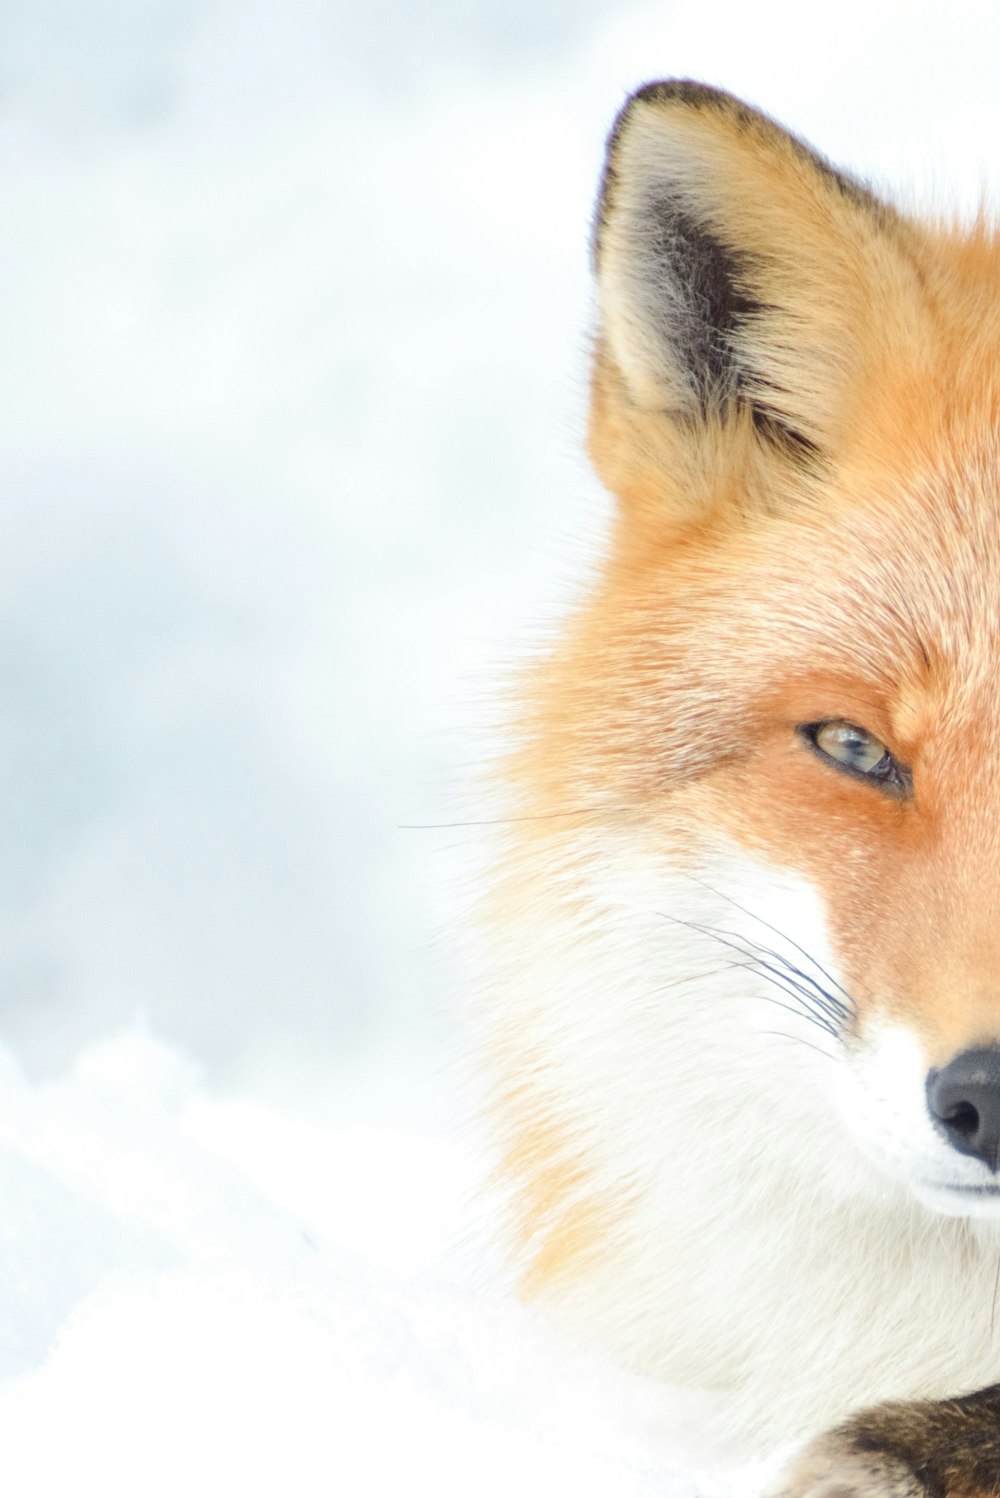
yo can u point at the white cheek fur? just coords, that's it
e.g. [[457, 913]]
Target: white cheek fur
[[769, 1243]]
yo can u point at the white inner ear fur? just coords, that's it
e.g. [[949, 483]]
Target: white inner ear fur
[[645, 307]]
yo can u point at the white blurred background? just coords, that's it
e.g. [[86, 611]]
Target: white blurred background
[[294, 325]]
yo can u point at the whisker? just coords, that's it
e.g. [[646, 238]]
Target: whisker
[[807, 999], [811, 995], [665, 915], [809, 988], [806, 1006], [828, 1055], [816, 990], [803, 1010], [694, 977], [543, 816], [722, 895]]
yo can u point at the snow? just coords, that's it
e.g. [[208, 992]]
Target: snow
[[204, 1296], [293, 378]]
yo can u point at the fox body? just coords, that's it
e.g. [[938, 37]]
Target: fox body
[[742, 1024]]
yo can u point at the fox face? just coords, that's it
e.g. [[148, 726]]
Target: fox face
[[748, 960], [818, 687]]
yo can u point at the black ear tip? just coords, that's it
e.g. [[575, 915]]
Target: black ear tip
[[683, 91], [646, 93], [687, 92]]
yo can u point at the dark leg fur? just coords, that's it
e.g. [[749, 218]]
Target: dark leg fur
[[949, 1449]]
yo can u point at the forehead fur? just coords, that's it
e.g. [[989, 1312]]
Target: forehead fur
[[876, 596]]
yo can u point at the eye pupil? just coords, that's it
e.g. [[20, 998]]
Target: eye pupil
[[852, 745]]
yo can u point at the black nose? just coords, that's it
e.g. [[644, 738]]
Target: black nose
[[964, 1102]]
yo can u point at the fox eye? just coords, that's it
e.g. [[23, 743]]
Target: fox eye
[[857, 752]]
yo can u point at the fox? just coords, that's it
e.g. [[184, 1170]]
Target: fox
[[739, 1026]]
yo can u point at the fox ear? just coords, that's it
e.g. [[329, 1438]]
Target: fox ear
[[737, 274]]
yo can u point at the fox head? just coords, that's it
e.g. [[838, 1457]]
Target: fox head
[[782, 691], [797, 400]]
